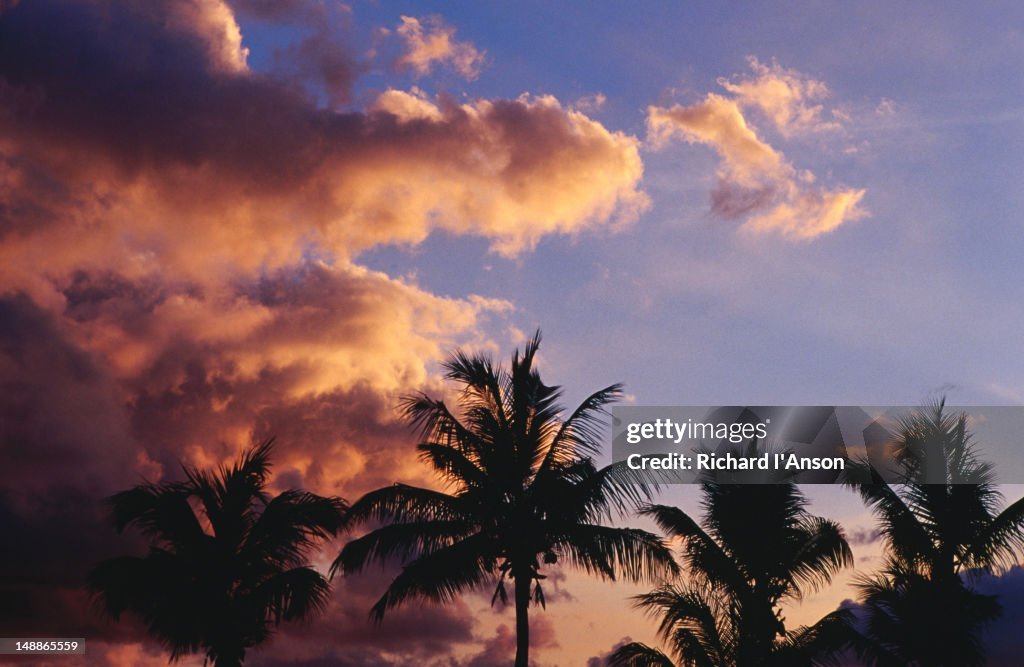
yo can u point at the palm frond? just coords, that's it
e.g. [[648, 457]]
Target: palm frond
[[692, 620], [903, 532], [577, 491], [453, 465], [823, 551], [702, 554], [1000, 540], [436, 424], [440, 575], [402, 502], [158, 589], [159, 511], [636, 654], [291, 525], [400, 541], [292, 595], [581, 434], [824, 643], [482, 388], [630, 552]]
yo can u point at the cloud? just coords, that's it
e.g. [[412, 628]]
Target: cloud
[[214, 22], [344, 635], [319, 358], [322, 59], [886, 107], [754, 180], [786, 97], [252, 172], [591, 103], [810, 213], [179, 274], [602, 659], [498, 648], [1002, 638], [864, 536], [429, 41]]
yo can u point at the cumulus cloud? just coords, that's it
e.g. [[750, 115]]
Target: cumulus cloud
[[602, 660], [345, 636], [498, 648], [214, 22], [789, 99], [180, 276], [430, 41], [754, 180], [252, 173], [718, 122]]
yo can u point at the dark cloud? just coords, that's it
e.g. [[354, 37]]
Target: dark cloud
[[345, 634], [1003, 639], [175, 127], [177, 280], [863, 536], [325, 63], [115, 80], [280, 11], [62, 423], [498, 649], [733, 201], [602, 659]]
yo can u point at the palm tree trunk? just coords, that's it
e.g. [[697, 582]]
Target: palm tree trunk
[[523, 620]]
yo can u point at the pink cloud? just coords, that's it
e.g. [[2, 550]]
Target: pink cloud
[[180, 276], [755, 181], [429, 41]]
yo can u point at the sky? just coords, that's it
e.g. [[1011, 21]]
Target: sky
[[225, 220]]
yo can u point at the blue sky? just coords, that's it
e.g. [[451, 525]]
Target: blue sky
[[919, 296]]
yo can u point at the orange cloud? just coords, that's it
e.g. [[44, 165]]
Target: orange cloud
[[214, 22], [429, 41], [230, 200], [784, 96], [167, 241], [719, 123], [179, 246], [810, 214], [155, 232], [755, 181]]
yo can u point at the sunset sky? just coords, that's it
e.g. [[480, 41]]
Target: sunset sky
[[221, 221]]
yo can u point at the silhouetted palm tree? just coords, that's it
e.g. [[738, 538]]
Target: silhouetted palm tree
[[227, 561], [523, 493], [755, 547], [941, 523]]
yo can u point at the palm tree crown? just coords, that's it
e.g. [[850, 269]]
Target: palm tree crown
[[941, 522], [226, 562], [755, 547], [522, 493]]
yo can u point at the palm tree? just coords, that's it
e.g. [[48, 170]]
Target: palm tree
[[522, 493], [942, 523], [755, 547], [226, 562]]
